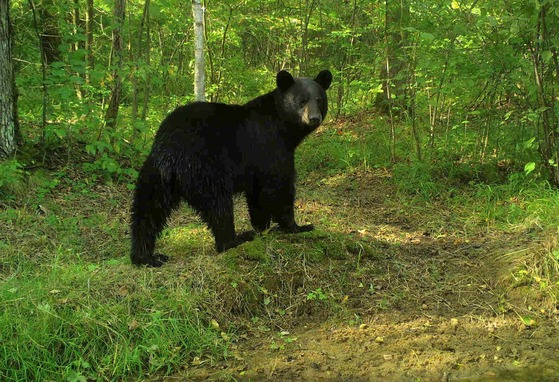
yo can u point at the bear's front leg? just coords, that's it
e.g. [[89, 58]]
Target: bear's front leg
[[222, 245], [288, 225], [284, 215], [217, 213], [156, 260], [294, 228], [260, 218]]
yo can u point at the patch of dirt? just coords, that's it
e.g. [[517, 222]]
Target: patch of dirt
[[427, 303], [398, 347]]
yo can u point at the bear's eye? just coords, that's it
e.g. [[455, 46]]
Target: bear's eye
[[319, 100], [303, 101]]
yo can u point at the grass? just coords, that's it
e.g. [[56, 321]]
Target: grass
[[52, 326], [73, 308], [66, 320]]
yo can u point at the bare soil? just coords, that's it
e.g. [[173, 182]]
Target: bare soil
[[431, 301]]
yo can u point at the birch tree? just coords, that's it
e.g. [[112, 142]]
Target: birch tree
[[199, 82]]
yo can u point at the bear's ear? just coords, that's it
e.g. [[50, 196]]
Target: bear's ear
[[284, 80], [324, 79]]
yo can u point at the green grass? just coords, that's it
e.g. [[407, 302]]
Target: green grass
[[332, 150], [102, 321], [72, 307]]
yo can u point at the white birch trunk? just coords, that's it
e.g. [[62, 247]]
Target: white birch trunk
[[199, 81]]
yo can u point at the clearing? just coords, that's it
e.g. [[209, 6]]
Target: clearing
[[419, 296], [391, 286]]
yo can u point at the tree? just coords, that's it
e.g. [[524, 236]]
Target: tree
[[199, 82], [7, 95], [116, 91], [50, 36], [89, 41], [78, 44], [544, 53], [141, 49], [397, 14]]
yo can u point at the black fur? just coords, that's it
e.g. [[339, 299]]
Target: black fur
[[204, 153]]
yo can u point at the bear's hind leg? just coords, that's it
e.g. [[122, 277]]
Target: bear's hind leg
[[153, 203]]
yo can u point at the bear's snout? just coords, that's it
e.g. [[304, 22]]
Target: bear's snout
[[312, 116], [315, 120], [312, 120]]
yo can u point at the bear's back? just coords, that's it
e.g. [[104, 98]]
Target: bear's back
[[199, 126]]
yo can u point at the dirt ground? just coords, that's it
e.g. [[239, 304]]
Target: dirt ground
[[436, 306]]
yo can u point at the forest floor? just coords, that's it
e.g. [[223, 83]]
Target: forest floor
[[420, 297], [459, 284]]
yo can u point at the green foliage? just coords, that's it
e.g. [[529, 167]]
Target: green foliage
[[317, 294], [417, 179], [518, 202], [462, 75], [334, 150], [11, 178]]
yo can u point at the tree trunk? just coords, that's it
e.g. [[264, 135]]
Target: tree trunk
[[50, 36], [7, 99], [546, 72], [78, 43], [199, 82], [116, 91], [308, 7], [148, 66], [136, 60], [89, 41], [44, 64], [393, 96]]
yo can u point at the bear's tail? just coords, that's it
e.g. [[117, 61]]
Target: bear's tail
[[153, 203]]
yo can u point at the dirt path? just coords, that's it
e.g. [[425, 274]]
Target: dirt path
[[404, 348], [427, 305]]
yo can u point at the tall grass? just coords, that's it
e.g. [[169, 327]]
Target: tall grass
[[334, 150], [98, 322]]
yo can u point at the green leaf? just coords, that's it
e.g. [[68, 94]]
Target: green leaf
[[427, 36], [529, 143], [529, 167]]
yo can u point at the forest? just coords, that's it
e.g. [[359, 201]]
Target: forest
[[432, 186]]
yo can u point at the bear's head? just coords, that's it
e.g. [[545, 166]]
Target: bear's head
[[303, 101]]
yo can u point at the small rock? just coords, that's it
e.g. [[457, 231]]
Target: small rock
[[316, 365]]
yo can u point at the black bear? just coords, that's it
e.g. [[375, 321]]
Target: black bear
[[204, 153]]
